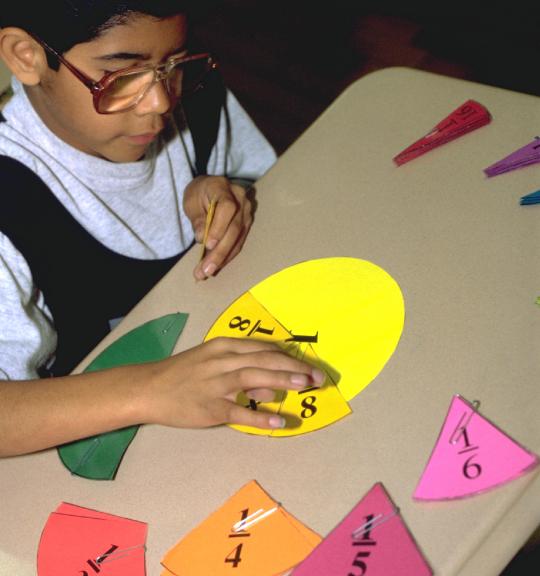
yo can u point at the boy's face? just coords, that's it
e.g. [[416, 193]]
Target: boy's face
[[66, 105]]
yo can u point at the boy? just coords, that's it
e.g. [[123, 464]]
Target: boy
[[98, 201]]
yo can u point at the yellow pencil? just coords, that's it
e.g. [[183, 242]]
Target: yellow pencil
[[209, 218]]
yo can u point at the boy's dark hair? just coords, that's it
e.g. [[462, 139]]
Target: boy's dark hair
[[64, 23]]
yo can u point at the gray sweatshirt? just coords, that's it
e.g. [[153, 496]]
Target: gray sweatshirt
[[132, 208]]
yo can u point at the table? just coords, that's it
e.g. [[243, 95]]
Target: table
[[466, 257]]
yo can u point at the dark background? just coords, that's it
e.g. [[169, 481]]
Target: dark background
[[287, 60]]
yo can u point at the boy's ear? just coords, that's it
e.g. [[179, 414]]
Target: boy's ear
[[22, 55]]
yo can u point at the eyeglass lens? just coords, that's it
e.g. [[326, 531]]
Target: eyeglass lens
[[126, 89]]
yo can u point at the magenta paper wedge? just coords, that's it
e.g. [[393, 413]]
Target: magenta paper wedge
[[471, 456], [371, 540]]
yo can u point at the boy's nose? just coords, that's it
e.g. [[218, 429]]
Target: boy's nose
[[155, 101]]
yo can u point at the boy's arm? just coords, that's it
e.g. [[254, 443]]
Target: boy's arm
[[194, 389], [38, 414]]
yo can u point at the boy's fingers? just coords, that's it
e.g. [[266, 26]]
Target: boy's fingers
[[222, 250], [225, 211], [272, 369], [258, 364], [227, 243], [256, 378], [224, 344], [235, 243], [261, 395], [230, 207], [199, 226], [246, 417], [230, 345], [227, 233], [243, 364]]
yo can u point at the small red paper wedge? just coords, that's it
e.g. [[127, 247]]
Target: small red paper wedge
[[469, 116]]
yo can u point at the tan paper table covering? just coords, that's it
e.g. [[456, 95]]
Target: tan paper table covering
[[466, 256]]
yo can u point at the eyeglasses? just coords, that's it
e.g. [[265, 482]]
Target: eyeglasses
[[122, 90]]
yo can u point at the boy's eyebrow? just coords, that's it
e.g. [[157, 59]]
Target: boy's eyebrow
[[123, 56], [131, 55]]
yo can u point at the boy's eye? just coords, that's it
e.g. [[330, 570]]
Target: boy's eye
[[123, 69], [118, 68], [113, 71]]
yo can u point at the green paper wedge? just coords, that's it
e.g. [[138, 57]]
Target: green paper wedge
[[98, 457]]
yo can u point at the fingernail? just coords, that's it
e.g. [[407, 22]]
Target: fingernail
[[276, 422], [210, 269], [299, 380], [318, 376], [211, 243]]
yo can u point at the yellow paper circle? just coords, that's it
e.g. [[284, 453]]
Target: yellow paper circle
[[355, 306], [354, 309]]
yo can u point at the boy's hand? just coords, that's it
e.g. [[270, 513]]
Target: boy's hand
[[198, 388], [230, 224]]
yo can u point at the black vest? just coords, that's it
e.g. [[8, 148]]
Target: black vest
[[85, 284]]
